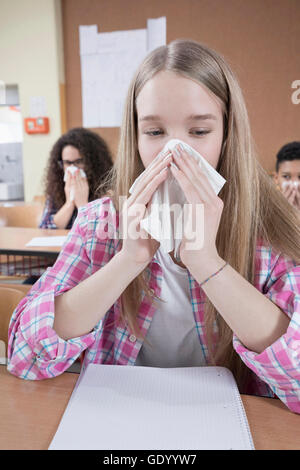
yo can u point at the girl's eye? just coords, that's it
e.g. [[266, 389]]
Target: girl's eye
[[286, 177], [197, 132], [154, 132], [200, 132]]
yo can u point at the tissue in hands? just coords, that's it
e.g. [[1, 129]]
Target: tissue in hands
[[71, 169], [290, 184], [160, 221]]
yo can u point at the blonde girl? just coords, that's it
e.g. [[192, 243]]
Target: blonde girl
[[119, 299]]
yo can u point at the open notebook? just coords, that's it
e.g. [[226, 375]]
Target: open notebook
[[130, 407]]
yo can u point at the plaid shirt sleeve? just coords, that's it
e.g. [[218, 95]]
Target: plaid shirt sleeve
[[279, 364], [35, 351], [47, 216]]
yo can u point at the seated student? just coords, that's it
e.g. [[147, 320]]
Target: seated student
[[116, 296], [287, 174], [81, 149]]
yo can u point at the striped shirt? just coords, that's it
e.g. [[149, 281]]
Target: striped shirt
[[36, 352], [49, 213]]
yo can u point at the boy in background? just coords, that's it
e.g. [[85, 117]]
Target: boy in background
[[287, 176]]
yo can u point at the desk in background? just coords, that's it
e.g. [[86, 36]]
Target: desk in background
[[30, 413], [17, 259]]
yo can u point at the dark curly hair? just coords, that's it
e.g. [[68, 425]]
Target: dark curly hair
[[97, 163], [288, 152]]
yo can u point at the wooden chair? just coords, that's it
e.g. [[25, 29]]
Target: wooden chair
[[27, 215], [9, 299], [24, 288], [4, 277]]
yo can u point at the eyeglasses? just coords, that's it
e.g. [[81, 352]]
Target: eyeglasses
[[65, 163]]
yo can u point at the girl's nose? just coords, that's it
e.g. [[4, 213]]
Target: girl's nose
[[179, 136]]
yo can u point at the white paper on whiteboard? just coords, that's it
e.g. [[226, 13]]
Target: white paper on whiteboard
[[88, 39], [108, 63], [157, 32], [107, 74]]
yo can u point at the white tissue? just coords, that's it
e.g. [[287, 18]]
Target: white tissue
[[71, 169], [296, 184], [158, 220]]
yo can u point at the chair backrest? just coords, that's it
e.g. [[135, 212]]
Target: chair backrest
[[24, 288], [9, 299], [27, 215]]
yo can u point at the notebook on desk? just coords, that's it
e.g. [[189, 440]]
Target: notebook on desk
[[130, 407]]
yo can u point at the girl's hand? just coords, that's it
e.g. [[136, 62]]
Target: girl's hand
[[68, 186], [203, 222], [81, 190], [138, 245]]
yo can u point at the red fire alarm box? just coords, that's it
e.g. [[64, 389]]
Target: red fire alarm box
[[38, 125]]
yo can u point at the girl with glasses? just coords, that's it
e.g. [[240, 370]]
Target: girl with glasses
[[66, 191]]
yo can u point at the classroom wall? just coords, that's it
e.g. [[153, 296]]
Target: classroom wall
[[32, 56], [259, 39]]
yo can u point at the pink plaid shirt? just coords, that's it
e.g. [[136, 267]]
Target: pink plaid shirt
[[36, 352]]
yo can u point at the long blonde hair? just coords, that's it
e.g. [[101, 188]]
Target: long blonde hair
[[253, 207]]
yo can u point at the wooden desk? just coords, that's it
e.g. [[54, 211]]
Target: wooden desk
[[13, 241], [17, 259], [30, 412]]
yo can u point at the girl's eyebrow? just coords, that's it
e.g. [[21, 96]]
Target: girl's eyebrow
[[192, 117], [201, 117], [150, 117]]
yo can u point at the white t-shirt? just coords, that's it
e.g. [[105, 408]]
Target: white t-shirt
[[172, 333]]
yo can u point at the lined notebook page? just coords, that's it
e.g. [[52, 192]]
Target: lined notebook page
[[130, 407]]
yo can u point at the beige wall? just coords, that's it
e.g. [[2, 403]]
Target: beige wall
[[258, 38], [32, 57]]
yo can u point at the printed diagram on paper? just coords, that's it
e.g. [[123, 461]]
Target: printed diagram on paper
[[108, 63]]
